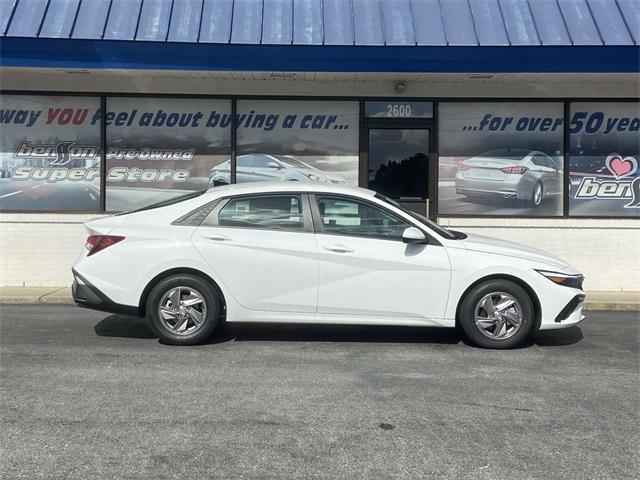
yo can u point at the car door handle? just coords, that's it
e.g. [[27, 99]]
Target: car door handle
[[337, 248], [217, 238]]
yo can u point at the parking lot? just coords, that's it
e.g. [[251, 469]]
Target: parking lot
[[89, 395]]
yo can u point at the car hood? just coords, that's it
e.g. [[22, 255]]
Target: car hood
[[480, 243]]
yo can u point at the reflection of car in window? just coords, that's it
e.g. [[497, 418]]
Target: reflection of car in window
[[514, 174], [258, 167]]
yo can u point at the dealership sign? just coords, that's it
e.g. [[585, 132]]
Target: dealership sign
[[620, 186]]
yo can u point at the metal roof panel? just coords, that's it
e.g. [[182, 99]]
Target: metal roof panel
[[580, 24], [215, 26], [397, 22], [277, 22], [428, 25], [27, 18], [58, 20], [185, 21], [90, 19], [307, 22], [489, 23], [611, 27], [123, 20], [338, 22], [521, 27], [458, 23], [330, 22], [154, 20], [367, 21], [246, 25], [630, 10], [549, 22]]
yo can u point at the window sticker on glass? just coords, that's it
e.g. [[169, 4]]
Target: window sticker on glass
[[604, 156], [500, 158], [399, 109]]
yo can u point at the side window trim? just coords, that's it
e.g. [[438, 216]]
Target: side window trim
[[212, 218], [319, 225]]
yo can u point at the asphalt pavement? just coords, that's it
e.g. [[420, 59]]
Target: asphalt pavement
[[89, 395]]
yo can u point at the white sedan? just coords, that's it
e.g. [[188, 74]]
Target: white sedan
[[316, 253]]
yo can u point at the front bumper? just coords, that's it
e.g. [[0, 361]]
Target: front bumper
[[569, 316], [86, 295]]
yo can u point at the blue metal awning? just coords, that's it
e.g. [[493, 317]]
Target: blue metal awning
[[324, 35]]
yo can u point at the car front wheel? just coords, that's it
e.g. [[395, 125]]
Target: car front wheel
[[183, 310], [497, 314]]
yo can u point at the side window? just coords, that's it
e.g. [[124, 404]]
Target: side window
[[244, 161], [343, 216], [539, 160], [262, 161], [272, 212]]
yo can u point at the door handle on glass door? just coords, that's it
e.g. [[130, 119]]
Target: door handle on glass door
[[337, 248]]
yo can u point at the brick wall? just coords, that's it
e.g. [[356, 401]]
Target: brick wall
[[39, 249]]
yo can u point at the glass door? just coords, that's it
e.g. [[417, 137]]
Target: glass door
[[398, 165]]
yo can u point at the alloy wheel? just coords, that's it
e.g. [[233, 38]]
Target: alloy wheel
[[182, 310], [537, 195], [498, 315]]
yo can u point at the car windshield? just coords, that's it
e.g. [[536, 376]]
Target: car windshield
[[509, 154], [443, 232]]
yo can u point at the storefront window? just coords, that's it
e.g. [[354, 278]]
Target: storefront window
[[50, 156], [500, 158], [158, 148], [295, 140], [604, 155]]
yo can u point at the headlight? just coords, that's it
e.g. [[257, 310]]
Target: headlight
[[564, 279]]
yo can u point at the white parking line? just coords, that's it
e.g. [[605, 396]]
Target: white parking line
[[11, 194]]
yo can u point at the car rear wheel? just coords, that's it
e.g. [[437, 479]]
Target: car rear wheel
[[497, 314], [183, 310], [536, 196]]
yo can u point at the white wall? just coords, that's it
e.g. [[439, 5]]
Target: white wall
[[39, 249], [607, 252]]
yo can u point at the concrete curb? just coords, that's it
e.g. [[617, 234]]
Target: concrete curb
[[610, 301]]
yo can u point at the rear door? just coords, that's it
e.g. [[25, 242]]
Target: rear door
[[264, 250], [367, 270]]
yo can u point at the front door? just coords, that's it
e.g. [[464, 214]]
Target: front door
[[399, 165], [365, 269]]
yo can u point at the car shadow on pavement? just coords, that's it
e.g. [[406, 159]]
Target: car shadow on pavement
[[123, 326], [335, 333], [135, 327], [558, 338]]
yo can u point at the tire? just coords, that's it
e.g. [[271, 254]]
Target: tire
[[499, 293], [536, 195], [196, 316]]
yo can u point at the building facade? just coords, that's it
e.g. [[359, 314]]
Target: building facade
[[517, 119]]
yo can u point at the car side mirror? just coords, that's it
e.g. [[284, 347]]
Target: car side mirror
[[414, 235], [273, 165]]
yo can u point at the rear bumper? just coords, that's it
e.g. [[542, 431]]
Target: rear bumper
[[517, 188], [86, 295]]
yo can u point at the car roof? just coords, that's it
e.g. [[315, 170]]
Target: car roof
[[275, 187]]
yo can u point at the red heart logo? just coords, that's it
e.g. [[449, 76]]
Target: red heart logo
[[621, 167]]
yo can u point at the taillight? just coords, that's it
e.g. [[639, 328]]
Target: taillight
[[518, 170], [95, 243], [463, 166]]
